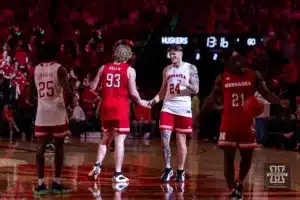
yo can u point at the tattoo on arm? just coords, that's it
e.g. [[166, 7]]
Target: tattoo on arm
[[194, 80]]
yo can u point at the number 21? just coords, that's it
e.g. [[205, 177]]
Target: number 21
[[237, 100]]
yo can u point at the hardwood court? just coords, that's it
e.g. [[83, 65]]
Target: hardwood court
[[143, 165]]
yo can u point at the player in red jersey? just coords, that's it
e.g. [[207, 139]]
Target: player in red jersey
[[117, 80], [236, 85]]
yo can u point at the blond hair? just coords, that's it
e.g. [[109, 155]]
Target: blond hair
[[122, 53]]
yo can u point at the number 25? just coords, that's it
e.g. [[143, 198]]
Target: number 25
[[46, 89]]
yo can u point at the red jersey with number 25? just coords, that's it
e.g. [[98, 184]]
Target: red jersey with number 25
[[114, 93], [236, 89]]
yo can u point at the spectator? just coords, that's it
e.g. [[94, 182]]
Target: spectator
[[77, 121], [9, 120]]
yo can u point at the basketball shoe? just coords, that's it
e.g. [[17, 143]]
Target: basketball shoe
[[239, 190], [119, 187], [167, 175], [95, 171], [180, 175], [59, 189], [41, 190], [120, 178]]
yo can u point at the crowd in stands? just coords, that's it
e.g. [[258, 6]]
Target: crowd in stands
[[87, 30]]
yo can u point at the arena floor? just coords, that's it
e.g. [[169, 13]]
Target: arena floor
[[143, 165]]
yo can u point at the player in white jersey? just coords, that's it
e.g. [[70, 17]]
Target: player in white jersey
[[180, 80], [50, 83]]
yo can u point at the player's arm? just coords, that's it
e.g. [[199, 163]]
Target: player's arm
[[132, 86], [193, 85], [96, 81], [163, 90], [62, 74], [266, 93], [213, 96], [31, 91]]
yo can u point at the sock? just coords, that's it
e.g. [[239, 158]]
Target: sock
[[180, 170], [56, 180], [168, 165], [40, 181], [118, 173], [98, 163]]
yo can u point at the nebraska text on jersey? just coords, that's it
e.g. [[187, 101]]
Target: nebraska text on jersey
[[177, 76], [238, 84]]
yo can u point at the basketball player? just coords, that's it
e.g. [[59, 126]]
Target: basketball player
[[117, 80], [51, 84], [236, 85], [180, 80]]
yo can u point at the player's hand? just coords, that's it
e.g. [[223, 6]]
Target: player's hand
[[184, 83], [145, 103], [285, 103], [151, 103]]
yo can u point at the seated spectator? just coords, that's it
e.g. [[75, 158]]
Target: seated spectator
[[77, 120]]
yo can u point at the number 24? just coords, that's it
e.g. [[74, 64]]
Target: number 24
[[174, 88]]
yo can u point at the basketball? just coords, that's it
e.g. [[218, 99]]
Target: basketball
[[253, 106]]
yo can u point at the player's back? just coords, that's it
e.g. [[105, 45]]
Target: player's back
[[178, 98], [51, 109], [236, 89], [114, 93]]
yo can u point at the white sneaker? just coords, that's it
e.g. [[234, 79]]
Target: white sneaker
[[95, 172], [120, 179], [119, 186]]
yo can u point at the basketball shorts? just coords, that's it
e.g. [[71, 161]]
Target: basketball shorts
[[180, 124], [242, 140], [55, 131], [121, 126]]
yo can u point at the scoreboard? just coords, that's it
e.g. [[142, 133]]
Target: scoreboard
[[214, 44]]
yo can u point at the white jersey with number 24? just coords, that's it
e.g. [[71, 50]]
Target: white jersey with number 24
[[178, 97]]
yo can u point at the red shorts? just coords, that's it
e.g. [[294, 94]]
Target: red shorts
[[242, 140], [56, 131], [120, 125], [177, 123]]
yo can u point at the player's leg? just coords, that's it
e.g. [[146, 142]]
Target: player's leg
[[119, 157], [183, 126], [102, 149], [227, 142], [166, 124], [122, 128], [59, 134], [42, 137], [228, 166], [247, 144]]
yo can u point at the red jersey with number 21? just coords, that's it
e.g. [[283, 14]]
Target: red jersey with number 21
[[236, 89], [114, 93]]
